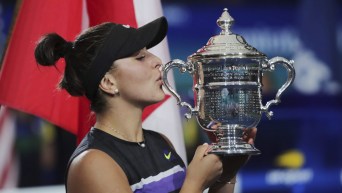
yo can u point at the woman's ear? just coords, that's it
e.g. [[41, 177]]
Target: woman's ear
[[108, 84]]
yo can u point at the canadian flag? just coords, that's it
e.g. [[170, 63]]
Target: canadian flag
[[32, 89]]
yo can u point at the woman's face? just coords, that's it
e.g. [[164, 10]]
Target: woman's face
[[138, 78]]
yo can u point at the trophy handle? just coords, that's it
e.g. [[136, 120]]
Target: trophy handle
[[291, 75], [183, 67]]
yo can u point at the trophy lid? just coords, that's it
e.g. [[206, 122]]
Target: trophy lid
[[227, 44]]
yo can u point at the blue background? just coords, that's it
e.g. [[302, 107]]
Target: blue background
[[301, 144]]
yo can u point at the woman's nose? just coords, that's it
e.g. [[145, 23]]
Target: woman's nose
[[157, 63]]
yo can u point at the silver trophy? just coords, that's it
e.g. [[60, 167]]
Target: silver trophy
[[227, 82]]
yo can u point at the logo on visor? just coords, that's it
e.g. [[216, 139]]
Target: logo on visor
[[126, 26]]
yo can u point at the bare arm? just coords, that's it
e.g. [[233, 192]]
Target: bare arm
[[203, 170], [94, 171]]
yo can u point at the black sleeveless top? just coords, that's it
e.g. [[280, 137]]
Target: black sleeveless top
[[153, 168]]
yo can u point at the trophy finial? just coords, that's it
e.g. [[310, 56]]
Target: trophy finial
[[224, 22]]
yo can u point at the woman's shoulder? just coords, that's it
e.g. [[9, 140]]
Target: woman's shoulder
[[94, 167], [92, 155], [90, 160]]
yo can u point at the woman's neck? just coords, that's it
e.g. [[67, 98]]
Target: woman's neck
[[124, 123]]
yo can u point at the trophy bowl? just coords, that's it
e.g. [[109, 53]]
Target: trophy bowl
[[227, 82]]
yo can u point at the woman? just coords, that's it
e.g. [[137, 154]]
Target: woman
[[110, 64]]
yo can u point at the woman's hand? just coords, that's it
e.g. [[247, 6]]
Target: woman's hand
[[203, 170]]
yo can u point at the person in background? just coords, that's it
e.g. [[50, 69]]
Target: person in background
[[110, 64]]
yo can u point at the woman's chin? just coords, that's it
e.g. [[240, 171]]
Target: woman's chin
[[158, 98]]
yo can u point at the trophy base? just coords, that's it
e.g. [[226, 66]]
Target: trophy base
[[235, 149], [230, 141]]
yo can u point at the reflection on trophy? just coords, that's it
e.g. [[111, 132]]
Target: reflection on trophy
[[227, 83]]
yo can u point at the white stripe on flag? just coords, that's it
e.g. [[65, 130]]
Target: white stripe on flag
[[85, 16], [166, 119], [8, 166]]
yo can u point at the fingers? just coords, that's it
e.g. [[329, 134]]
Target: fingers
[[210, 147], [250, 141], [201, 151], [249, 135], [252, 132]]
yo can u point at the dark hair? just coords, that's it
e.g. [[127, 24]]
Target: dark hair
[[78, 56]]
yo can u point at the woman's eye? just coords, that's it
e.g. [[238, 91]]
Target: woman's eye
[[141, 57], [158, 66]]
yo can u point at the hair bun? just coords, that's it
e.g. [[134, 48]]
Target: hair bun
[[51, 48], [66, 49]]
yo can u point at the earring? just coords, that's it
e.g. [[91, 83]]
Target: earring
[[116, 91]]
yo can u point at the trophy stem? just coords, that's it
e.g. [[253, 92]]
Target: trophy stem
[[230, 141]]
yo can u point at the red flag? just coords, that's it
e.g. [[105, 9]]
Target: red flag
[[31, 88]]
